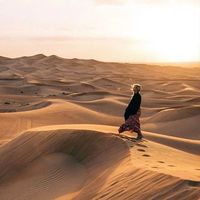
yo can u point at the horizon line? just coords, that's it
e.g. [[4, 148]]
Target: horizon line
[[175, 63]]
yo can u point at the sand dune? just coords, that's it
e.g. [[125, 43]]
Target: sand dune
[[171, 141], [109, 84], [92, 156], [14, 106], [58, 112], [86, 96], [87, 147], [58, 119], [175, 114], [116, 106], [184, 128]]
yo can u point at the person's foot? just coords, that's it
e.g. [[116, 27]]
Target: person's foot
[[139, 137], [120, 130]]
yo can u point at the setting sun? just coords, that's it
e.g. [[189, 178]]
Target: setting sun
[[171, 34]]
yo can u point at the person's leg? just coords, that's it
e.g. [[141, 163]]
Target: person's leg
[[122, 128], [139, 136], [125, 126]]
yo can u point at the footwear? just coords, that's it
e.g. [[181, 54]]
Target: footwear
[[120, 130], [139, 137]]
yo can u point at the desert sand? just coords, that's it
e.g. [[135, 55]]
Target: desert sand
[[59, 119]]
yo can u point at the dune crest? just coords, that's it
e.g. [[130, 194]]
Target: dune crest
[[75, 160]]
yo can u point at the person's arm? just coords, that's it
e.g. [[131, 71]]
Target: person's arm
[[135, 105], [126, 114], [128, 109]]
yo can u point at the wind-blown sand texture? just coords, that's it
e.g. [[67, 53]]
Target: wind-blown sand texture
[[59, 117]]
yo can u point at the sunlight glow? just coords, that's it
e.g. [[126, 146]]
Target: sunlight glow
[[108, 30], [171, 34]]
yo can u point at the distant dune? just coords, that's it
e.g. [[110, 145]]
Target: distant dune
[[59, 118], [183, 64]]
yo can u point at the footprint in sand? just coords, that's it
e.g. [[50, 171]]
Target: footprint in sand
[[141, 150], [146, 155], [171, 165], [160, 161], [154, 167], [197, 169], [142, 145]]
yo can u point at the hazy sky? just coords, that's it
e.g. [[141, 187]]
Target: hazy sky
[[109, 30]]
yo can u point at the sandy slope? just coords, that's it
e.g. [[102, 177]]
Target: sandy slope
[[58, 116], [64, 163], [58, 112]]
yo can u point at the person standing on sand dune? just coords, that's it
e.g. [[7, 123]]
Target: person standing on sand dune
[[132, 114]]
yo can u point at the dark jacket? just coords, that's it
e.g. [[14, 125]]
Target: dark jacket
[[133, 106]]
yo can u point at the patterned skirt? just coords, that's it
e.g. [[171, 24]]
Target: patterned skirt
[[132, 123]]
